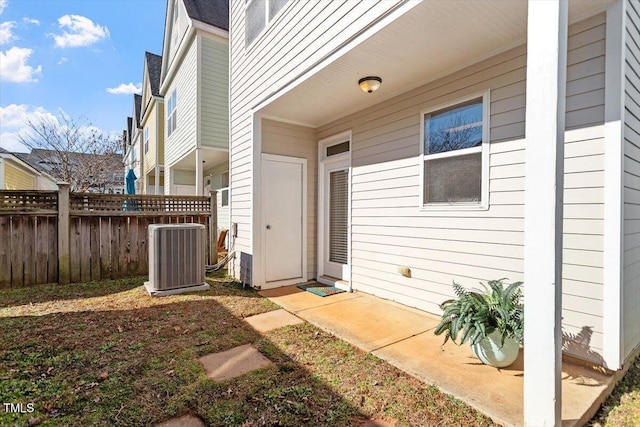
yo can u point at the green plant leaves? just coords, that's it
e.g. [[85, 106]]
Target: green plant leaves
[[476, 314]]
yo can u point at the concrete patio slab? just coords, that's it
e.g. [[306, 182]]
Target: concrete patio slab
[[183, 421], [294, 299], [404, 337], [233, 363], [271, 320], [368, 322], [495, 392]]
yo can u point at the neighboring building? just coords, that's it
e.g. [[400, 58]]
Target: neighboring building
[[195, 87], [17, 173], [152, 124], [134, 154], [428, 172], [95, 173]]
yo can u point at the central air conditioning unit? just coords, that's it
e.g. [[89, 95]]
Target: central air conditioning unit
[[176, 259]]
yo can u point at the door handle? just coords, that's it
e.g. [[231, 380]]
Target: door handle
[[268, 227]]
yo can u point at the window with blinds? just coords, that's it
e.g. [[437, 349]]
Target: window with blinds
[[338, 215]]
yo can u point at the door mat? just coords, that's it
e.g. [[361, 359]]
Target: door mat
[[321, 290]]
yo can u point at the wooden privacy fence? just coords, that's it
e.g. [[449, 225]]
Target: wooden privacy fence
[[63, 237]]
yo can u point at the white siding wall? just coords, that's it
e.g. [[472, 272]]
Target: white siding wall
[[298, 141], [214, 92], [178, 31], [389, 230], [301, 34], [183, 138], [216, 184], [631, 291]]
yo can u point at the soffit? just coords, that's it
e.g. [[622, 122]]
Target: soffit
[[429, 41]]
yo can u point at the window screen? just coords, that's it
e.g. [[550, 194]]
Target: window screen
[[275, 6], [255, 19], [453, 144], [453, 179]]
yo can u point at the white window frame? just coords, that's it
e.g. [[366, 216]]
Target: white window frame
[[224, 189], [146, 140], [173, 102], [484, 149], [267, 20]]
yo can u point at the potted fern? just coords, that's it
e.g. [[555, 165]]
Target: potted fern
[[492, 321]]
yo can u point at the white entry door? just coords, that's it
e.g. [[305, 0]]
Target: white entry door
[[283, 190], [336, 220]]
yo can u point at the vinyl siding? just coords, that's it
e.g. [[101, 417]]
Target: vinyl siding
[[150, 123], [298, 141], [214, 97], [160, 129], [631, 192], [183, 138], [301, 34], [177, 31], [389, 229], [16, 178], [216, 184]]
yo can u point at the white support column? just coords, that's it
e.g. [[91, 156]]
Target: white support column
[[156, 190], [199, 173], [613, 185], [168, 179], [544, 169]]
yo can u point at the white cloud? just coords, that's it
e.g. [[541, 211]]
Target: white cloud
[[18, 115], [6, 33], [3, 4], [11, 142], [31, 21], [14, 68], [125, 89], [62, 60], [14, 120], [78, 31]]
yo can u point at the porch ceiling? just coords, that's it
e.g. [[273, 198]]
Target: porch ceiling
[[430, 40], [210, 156]]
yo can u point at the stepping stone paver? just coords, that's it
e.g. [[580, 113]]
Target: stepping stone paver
[[376, 423], [271, 320], [183, 421], [233, 363]]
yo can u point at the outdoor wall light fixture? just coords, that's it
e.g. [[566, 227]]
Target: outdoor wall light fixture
[[370, 84]]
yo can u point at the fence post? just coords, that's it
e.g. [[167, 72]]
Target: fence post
[[64, 256], [213, 228]]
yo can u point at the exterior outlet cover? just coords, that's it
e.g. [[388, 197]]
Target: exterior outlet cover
[[405, 271]]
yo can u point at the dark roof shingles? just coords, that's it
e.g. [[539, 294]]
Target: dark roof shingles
[[154, 66], [137, 102], [213, 12]]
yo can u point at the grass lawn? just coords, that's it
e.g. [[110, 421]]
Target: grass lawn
[[107, 354]]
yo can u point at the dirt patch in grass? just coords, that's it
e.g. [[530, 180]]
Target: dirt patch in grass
[[108, 354]]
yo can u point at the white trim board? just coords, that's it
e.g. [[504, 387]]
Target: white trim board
[[323, 161], [613, 279]]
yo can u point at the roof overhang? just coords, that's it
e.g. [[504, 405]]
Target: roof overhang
[[429, 40]]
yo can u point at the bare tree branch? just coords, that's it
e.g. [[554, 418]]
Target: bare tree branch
[[74, 151]]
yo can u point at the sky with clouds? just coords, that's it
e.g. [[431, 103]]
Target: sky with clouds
[[82, 57]]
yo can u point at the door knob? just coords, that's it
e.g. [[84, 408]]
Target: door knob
[[268, 227]]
